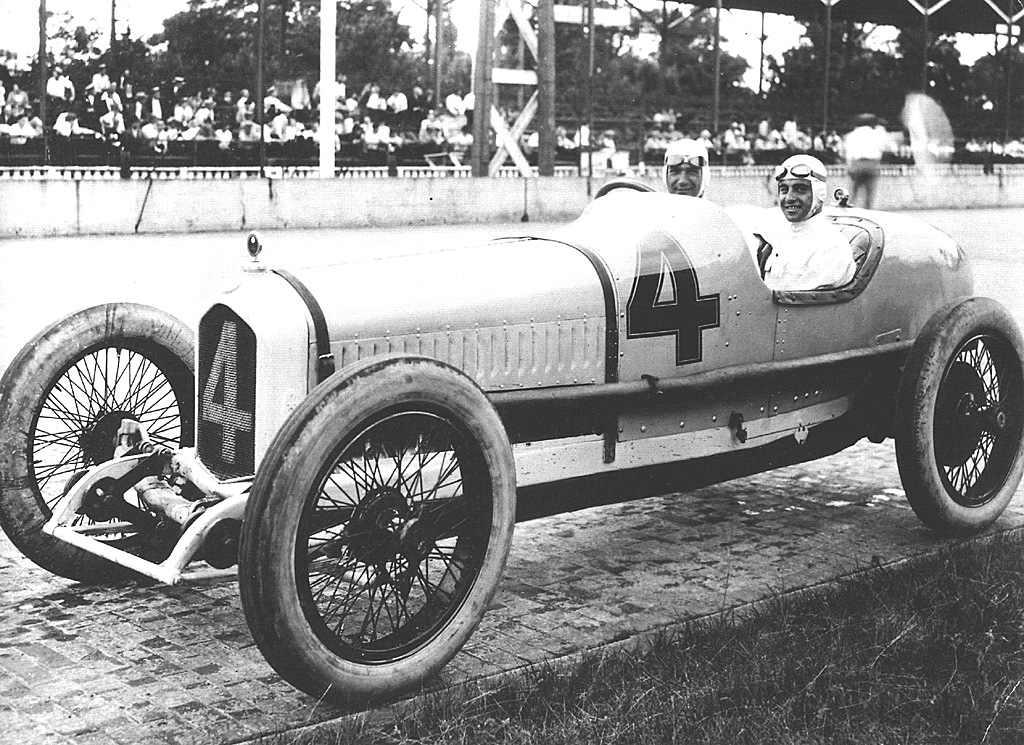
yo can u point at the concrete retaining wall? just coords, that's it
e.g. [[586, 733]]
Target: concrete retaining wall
[[50, 206], [899, 187]]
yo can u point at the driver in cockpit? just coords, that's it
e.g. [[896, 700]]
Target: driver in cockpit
[[805, 251], [687, 169]]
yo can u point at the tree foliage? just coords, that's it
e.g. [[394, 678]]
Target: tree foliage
[[208, 46], [863, 79], [994, 96], [214, 43], [857, 75], [683, 77], [615, 75]]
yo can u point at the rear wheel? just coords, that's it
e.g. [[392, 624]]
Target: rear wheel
[[960, 417], [65, 395], [377, 529]]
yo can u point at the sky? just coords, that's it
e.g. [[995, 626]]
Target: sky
[[18, 29]]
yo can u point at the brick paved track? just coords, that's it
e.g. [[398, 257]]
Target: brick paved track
[[138, 663]]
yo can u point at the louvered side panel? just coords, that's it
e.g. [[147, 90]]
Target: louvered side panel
[[530, 355]]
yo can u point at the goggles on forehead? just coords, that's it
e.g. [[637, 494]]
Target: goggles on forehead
[[697, 161], [800, 170]]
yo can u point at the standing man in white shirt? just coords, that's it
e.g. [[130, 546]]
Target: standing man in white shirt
[[864, 146], [60, 93]]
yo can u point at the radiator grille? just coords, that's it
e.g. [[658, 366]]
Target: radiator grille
[[227, 394]]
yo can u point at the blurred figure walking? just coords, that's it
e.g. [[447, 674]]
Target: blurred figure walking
[[864, 147]]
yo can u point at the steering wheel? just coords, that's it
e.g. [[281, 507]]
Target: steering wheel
[[622, 183]]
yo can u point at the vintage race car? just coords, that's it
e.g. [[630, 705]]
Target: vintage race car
[[362, 430]]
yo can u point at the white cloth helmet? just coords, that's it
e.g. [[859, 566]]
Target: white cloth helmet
[[692, 153], [813, 170]]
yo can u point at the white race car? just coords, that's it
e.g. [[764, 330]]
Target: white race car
[[363, 429]]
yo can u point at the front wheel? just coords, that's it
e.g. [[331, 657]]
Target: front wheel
[[64, 396], [960, 417], [377, 529]]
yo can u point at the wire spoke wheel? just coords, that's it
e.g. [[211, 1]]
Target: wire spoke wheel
[[395, 536], [960, 417], [65, 396], [377, 528], [978, 420]]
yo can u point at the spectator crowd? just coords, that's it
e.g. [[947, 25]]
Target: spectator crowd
[[766, 143], [146, 119], [119, 112], [737, 144]]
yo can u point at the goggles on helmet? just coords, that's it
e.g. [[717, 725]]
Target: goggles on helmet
[[697, 161], [800, 170]]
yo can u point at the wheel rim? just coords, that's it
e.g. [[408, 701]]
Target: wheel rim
[[978, 420], [394, 536], [81, 411]]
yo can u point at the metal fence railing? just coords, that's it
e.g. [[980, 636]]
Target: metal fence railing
[[111, 173]]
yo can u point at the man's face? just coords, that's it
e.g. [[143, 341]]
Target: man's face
[[684, 179], [796, 198]]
